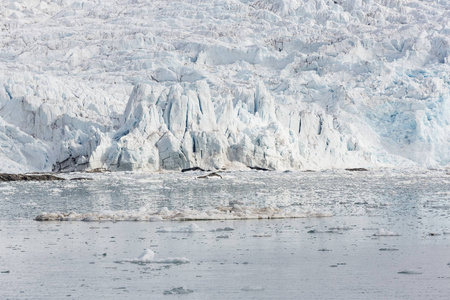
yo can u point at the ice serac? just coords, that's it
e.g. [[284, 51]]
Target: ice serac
[[285, 84], [168, 128]]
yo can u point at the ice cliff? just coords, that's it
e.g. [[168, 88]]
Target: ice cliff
[[276, 84]]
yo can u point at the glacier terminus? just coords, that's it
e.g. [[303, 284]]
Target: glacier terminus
[[274, 84]]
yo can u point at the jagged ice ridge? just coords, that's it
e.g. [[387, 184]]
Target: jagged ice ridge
[[279, 84]]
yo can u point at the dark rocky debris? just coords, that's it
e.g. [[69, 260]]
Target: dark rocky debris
[[193, 169], [28, 177], [357, 170], [258, 168], [81, 178]]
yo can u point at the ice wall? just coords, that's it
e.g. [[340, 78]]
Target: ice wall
[[285, 84]]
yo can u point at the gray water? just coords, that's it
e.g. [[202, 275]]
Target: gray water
[[389, 238]]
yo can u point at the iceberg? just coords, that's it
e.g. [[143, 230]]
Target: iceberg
[[135, 85]]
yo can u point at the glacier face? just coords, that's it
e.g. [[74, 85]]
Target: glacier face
[[276, 84]]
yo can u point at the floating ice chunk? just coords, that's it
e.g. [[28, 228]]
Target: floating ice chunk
[[410, 272], [178, 291], [184, 229], [324, 231], [173, 260], [261, 235], [370, 228], [341, 228], [223, 229], [253, 288], [210, 176], [148, 257], [235, 212], [384, 232], [222, 237], [30, 204]]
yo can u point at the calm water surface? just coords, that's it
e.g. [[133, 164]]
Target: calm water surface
[[389, 238]]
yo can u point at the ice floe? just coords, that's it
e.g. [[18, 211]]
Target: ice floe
[[148, 257], [164, 214], [253, 288], [178, 291], [183, 229], [384, 232]]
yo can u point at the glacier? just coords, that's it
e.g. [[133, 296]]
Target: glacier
[[223, 84]]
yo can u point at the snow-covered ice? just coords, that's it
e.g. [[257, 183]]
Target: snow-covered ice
[[285, 84], [253, 288], [148, 257], [219, 213], [384, 232], [191, 228], [178, 291]]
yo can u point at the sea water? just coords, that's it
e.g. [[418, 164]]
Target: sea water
[[363, 235]]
